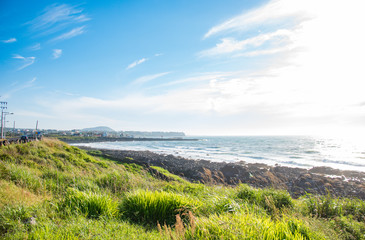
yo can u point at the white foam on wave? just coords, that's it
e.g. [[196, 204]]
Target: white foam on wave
[[303, 152]]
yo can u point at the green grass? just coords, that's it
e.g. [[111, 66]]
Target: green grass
[[272, 200], [248, 226], [149, 207], [170, 175], [89, 204], [71, 194]]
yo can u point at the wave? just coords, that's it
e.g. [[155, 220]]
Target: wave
[[293, 151]]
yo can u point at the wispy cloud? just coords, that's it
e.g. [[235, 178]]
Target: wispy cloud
[[229, 45], [309, 57], [10, 40], [30, 83], [35, 47], [25, 85], [198, 78], [64, 93], [272, 13], [148, 78], [58, 16], [56, 53], [256, 53], [27, 61], [73, 33], [137, 62]]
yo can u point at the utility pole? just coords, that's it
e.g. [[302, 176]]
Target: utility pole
[[6, 113], [14, 128], [36, 132], [3, 105]]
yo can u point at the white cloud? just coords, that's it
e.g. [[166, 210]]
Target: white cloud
[[198, 78], [27, 61], [17, 88], [314, 78], [229, 45], [256, 53], [58, 16], [135, 63], [56, 53], [35, 47], [313, 83], [31, 82], [148, 78], [10, 40], [38, 115], [265, 97], [274, 12], [73, 33]]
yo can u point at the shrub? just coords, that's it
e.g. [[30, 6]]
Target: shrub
[[90, 204], [154, 207]]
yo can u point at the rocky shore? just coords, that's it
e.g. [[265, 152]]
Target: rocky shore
[[120, 139], [298, 181]]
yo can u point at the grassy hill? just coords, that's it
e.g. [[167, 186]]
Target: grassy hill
[[50, 190]]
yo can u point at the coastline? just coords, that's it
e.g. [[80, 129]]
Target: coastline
[[297, 181], [121, 139]]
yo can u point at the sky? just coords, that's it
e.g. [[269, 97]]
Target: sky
[[207, 67]]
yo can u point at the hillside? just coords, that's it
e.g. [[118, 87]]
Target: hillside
[[50, 190], [98, 129]]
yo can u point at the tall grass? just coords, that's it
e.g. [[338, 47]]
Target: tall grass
[[170, 175], [12, 218], [78, 227], [330, 207], [271, 199], [89, 204], [154, 207], [116, 182], [73, 195], [25, 177], [350, 229], [248, 226]]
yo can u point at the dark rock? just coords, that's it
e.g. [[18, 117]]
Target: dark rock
[[297, 181]]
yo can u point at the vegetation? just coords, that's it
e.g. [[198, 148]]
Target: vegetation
[[50, 190]]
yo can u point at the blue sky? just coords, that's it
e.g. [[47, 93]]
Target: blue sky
[[232, 67]]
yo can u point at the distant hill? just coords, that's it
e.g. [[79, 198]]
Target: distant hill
[[153, 134], [98, 129]]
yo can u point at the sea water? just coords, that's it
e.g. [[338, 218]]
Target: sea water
[[292, 151]]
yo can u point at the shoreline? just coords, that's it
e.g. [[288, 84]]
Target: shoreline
[[122, 139], [297, 181]]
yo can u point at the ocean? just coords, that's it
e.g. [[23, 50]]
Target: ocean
[[292, 151]]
